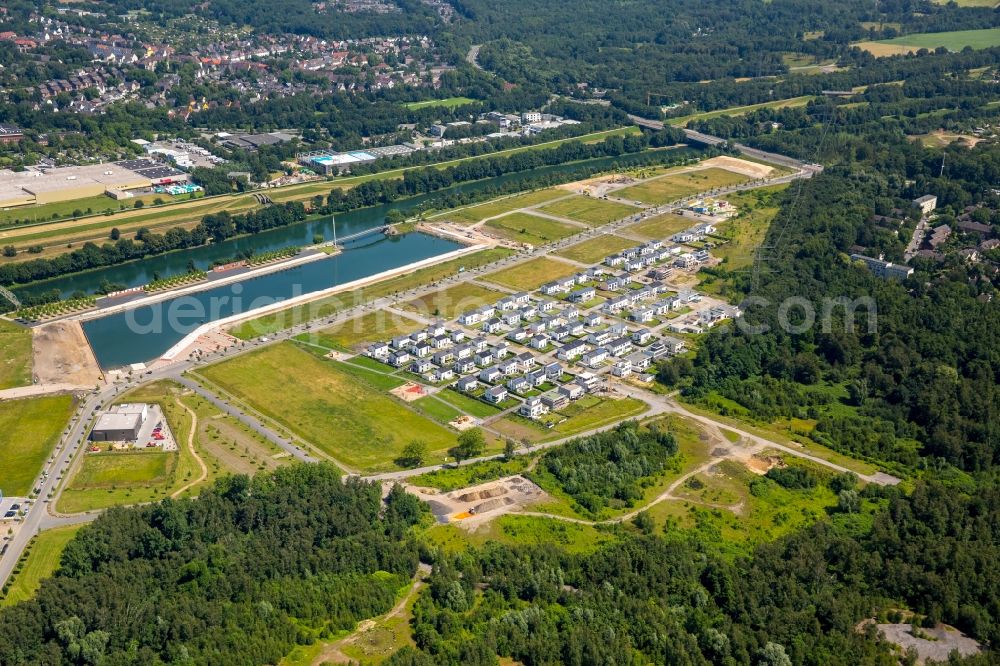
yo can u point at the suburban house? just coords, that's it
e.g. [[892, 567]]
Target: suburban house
[[467, 384], [496, 394], [532, 408]]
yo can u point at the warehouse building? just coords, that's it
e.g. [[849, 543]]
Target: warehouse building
[[121, 423]]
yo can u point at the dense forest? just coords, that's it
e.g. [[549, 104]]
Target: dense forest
[[239, 576], [253, 567], [670, 600]]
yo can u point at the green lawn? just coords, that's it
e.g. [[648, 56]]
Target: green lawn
[[40, 561], [452, 301], [589, 210], [441, 412], [670, 188], [473, 214], [531, 229], [125, 469], [354, 334], [468, 405], [448, 102], [29, 429], [661, 227], [531, 274], [340, 414], [15, 355], [586, 414], [595, 249], [324, 307]]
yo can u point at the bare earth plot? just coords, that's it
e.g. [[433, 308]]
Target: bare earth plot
[[63, 355]]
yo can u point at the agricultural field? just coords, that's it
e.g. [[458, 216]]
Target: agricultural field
[[953, 41], [448, 102], [531, 229], [15, 355], [531, 274], [337, 412], [354, 334], [29, 430], [588, 210], [477, 213], [40, 560], [661, 227], [330, 305], [595, 249], [670, 188], [452, 301]]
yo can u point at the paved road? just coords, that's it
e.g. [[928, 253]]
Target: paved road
[[472, 57]]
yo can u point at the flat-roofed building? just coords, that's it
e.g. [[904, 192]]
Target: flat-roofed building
[[120, 423]]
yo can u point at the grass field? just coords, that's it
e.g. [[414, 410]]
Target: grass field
[[40, 561], [661, 227], [324, 307], [29, 429], [531, 274], [468, 405], [452, 301], [63, 209], [473, 214], [671, 188], [442, 412], [513, 529], [594, 212], [585, 414], [15, 355], [953, 41], [453, 478], [354, 334], [128, 469], [340, 414], [448, 102], [595, 249], [531, 229], [682, 121], [746, 231]]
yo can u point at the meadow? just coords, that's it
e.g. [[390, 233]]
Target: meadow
[[531, 274], [953, 41], [479, 212], [590, 211], [39, 561], [670, 188], [531, 229], [452, 301], [15, 355], [595, 249], [337, 412], [29, 430]]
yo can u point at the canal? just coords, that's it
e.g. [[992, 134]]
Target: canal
[[142, 272], [144, 333]]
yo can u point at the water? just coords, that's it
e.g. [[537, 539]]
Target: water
[[145, 333], [138, 273]]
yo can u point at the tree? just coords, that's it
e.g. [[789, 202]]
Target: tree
[[644, 522], [509, 448], [413, 454], [848, 501], [9, 251], [471, 443], [139, 204], [115, 233]]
